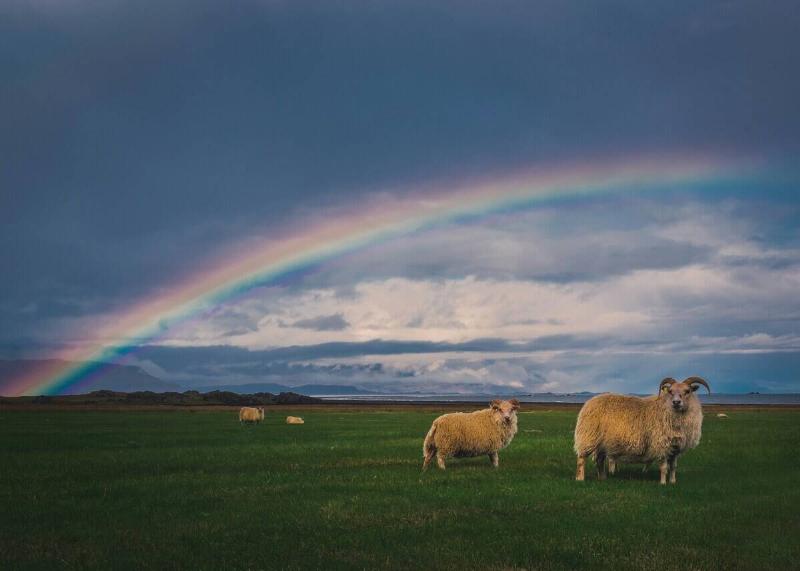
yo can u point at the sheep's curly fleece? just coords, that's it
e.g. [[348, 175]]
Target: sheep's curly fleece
[[635, 429], [463, 434], [250, 414]]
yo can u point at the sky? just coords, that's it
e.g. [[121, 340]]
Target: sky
[[143, 142]]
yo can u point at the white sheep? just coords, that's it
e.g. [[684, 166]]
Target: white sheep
[[294, 420], [249, 414], [632, 429], [476, 433]]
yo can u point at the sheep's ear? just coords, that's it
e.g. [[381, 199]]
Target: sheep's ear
[[495, 403], [694, 387], [514, 403]]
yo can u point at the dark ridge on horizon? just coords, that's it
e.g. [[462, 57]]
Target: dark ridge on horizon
[[169, 398], [307, 389]]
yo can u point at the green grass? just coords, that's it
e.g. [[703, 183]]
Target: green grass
[[172, 490]]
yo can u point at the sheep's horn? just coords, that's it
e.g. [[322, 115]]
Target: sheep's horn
[[699, 381], [665, 383]]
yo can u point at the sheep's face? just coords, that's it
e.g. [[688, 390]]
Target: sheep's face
[[505, 411], [679, 395]]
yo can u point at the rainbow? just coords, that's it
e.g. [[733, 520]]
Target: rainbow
[[377, 221]]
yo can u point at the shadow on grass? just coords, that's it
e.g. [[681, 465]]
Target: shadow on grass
[[459, 464], [631, 472]]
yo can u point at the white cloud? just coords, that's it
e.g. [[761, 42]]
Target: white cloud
[[452, 310], [671, 305]]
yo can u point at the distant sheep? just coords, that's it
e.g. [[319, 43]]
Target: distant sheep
[[477, 433], [249, 414], [722, 415], [294, 420], [632, 429]]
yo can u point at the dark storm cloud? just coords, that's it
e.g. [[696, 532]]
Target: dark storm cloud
[[335, 322], [177, 358], [196, 375], [139, 137], [593, 243]]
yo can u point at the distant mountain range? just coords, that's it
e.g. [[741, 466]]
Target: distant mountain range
[[162, 399], [123, 378], [127, 378], [311, 390]]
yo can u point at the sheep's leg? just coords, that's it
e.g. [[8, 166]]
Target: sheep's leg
[[580, 473], [673, 468], [600, 460], [612, 466], [440, 460], [429, 454], [494, 458], [664, 467]]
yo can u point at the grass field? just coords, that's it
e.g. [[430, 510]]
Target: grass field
[[165, 490]]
